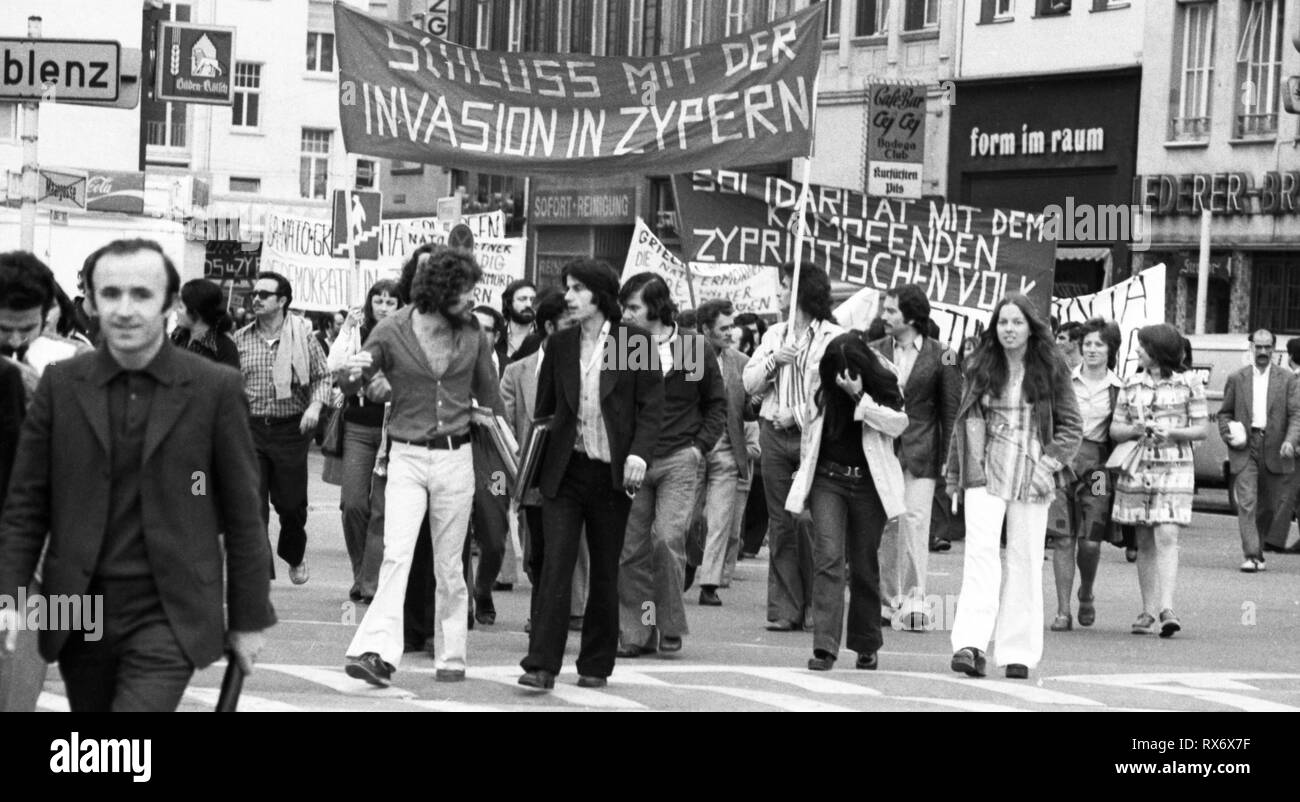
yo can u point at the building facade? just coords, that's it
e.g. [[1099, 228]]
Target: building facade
[[1214, 136], [1043, 122]]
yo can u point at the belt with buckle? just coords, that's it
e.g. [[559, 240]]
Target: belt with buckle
[[267, 420], [448, 442], [845, 471]]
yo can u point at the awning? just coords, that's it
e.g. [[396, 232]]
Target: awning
[[1082, 254]]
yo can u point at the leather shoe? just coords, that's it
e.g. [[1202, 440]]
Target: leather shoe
[[299, 573], [538, 680], [969, 661], [940, 544], [1017, 671], [370, 668], [709, 596], [667, 644], [821, 661], [449, 675], [781, 625], [592, 682], [485, 612], [867, 661], [631, 650]]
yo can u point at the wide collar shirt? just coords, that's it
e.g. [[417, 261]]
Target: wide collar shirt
[[1094, 403], [592, 439]]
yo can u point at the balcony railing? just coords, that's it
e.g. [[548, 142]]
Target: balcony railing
[[1253, 125], [1185, 129]]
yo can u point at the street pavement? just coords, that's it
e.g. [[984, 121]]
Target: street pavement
[[1239, 648]]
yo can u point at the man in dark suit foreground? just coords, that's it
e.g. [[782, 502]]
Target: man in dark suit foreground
[[135, 458], [599, 381]]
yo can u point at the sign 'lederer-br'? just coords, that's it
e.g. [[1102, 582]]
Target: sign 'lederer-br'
[[747, 99]]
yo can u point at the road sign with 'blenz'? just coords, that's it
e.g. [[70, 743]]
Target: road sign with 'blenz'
[[196, 64], [59, 69]]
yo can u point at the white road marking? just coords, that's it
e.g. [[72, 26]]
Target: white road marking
[[804, 680], [961, 704], [52, 701], [784, 701], [572, 694], [247, 702], [1210, 687], [448, 706], [1025, 692], [335, 679]]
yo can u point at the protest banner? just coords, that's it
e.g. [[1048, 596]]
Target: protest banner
[[750, 288], [1133, 303], [746, 99], [961, 255], [299, 249]]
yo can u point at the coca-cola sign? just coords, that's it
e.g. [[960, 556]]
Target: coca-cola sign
[[115, 191]]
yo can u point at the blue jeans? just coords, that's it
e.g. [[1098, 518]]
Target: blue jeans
[[363, 509], [789, 576], [847, 521]]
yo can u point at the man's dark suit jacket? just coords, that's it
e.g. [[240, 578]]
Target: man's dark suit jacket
[[930, 399], [199, 478], [631, 402], [1282, 423], [12, 405]]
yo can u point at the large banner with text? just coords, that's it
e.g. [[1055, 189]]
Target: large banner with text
[[963, 256], [746, 99], [750, 288], [299, 248]]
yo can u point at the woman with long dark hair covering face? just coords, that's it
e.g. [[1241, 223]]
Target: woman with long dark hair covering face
[[363, 421], [203, 326], [1017, 429], [1164, 408], [853, 482]]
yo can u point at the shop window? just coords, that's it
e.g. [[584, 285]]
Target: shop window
[[1259, 68], [1193, 72], [1275, 285]]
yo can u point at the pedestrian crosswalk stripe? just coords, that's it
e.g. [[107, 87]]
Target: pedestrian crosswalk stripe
[[961, 704], [248, 703], [583, 697], [784, 701], [1026, 692], [1207, 687], [335, 679], [804, 680]]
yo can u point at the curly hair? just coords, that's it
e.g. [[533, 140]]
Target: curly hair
[[988, 369], [441, 277], [814, 290]]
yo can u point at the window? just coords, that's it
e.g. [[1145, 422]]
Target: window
[[515, 31], [832, 18], [997, 11], [247, 112], [320, 52], [1259, 68], [366, 174], [735, 16], [177, 12], [783, 8], [920, 14], [1193, 72], [169, 132], [662, 26], [1275, 284], [253, 185], [1053, 8], [9, 122], [873, 18], [314, 166]]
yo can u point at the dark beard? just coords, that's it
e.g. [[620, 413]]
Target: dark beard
[[18, 354], [456, 321], [524, 318]]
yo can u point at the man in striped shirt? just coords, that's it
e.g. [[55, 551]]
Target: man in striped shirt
[[784, 374], [287, 382]]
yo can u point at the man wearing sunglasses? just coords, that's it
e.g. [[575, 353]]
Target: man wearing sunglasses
[[287, 382]]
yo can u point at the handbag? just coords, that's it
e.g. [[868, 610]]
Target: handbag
[[332, 439], [1124, 458]]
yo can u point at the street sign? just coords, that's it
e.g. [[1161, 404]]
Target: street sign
[[896, 140], [356, 220], [196, 64], [62, 189], [1291, 94], [449, 210], [59, 69]]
